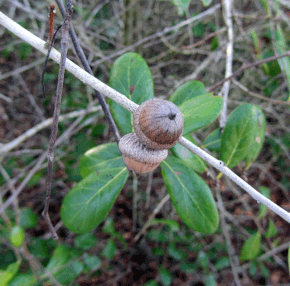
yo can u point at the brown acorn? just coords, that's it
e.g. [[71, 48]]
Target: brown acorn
[[137, 157], [158, 123]]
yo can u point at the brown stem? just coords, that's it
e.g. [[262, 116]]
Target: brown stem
[[54, 128], [248, 66], [87, 67]]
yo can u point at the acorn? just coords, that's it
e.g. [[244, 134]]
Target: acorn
[[158, 123], [137, 157]]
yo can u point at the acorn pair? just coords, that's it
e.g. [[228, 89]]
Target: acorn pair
[[158, 126]]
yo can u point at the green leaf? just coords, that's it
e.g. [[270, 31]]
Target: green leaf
[[9, 273], [69, 272], [239, 139], [206, 2], [272, 230], [251, 247], [92, 261], [17, 235], [210, 281], [28, 218], [265, 271], [203, 260], [85, 241], [263, 209], [23, 280], [109, 249], [59, 258], [165, 276], [213, 140], [172, 224], [282, 47], [90, 201], [187, 91], [178, 254], [158, 235], [190, 196], [130, 75], [191, 160], [106, 156], [182, 5], [200, 111], [258, 131]]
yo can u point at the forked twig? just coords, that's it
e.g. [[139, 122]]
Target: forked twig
[[54, 128], [87, 67]]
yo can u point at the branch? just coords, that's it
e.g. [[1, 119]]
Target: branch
[[248, 66], [227, 7], [131, 106]]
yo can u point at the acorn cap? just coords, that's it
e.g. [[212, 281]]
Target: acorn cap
[[158, 123], [138, 157]]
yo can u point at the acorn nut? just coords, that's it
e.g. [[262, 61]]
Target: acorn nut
[[158, 123], [139, 158]]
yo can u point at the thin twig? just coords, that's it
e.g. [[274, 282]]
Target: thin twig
[[245, 89], [54, 129], [248, 66], [227, 7], [50, 24], [5, 148], [231, 251], [87, 67], [154, 213], [201, 15]]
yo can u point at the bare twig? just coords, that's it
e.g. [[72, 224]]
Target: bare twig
[[227, 7], [151, 218], [50, 24], [87, 67], [5, 148], [231, 251], [248, 66], [273, 101], [54, 129], [201, 15]]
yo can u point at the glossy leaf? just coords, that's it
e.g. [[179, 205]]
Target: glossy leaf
[[251, 247], [9, 273], [17, 236], [187, 91], [190, 196], [23, 280], [263, 209], [92, 261], [182, 5], [213, 140], [28, 218], [282, 47], [106, 156], [259, 129], [272, 230], [239, 139], [191, 160], [85, 241], [59, 258], [130, 75], [109, 249], [89, 202], [200, 111]]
